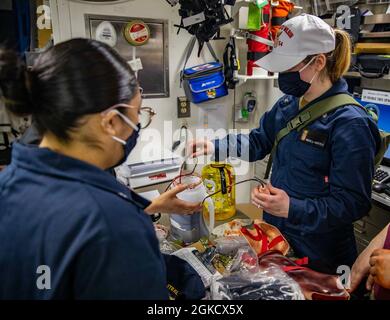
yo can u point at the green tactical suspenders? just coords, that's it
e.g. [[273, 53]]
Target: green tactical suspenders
[[316, 111]]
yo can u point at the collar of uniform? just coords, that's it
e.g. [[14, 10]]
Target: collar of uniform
[[47, 162], [340, 86], [290, 105]]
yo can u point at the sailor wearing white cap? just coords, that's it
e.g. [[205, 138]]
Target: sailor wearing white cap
[[322, 172]]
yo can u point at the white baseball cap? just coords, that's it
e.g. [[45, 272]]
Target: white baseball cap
[[299, 38]]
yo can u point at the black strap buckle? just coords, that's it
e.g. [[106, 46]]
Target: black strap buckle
[[298, 121]]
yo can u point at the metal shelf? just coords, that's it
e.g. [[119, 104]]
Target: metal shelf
[[366, 35], [246, 78], [355, 74], [372, 2], [371, 47], [377, 19]]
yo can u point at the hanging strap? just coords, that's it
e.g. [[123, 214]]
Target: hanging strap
[[212, 51], [191, 47], [256, 38], [231, 64], [255, 56], [309, 115], [278, 21]]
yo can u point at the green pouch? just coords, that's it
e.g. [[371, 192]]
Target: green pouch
[[255, 15]]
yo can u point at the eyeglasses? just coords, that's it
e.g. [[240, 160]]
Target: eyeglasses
[[146, 115]]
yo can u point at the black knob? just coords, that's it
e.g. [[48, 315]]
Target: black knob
[[379, 187]]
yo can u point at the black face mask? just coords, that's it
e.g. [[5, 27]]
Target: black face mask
[[129, 146], [290, 83]]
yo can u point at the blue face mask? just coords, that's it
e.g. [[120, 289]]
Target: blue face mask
[[290, 83], [131, 141]]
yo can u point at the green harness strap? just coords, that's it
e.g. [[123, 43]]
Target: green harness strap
[[307, 116]]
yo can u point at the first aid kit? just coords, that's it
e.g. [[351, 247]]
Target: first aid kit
[[206, 81]]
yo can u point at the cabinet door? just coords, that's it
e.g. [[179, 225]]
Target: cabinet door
[[154, 77], [379, 216]]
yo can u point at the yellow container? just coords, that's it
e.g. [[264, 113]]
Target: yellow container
[[220, 176]]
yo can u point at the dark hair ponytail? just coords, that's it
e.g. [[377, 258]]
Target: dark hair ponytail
[[70, 80], [14, 83]]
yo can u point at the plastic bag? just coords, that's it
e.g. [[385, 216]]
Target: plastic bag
[[244, 262], [269, 284], [201, 262], [221, 258], [243, 257], [230, 245], [314, 285], [244, 280], [167, 247]]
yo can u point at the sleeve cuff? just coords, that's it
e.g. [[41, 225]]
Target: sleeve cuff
[[296, 211]]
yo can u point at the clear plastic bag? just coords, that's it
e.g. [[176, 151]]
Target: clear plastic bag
[[269, 284], [230, 245], [244, 258], [245, 262], [166, 247]]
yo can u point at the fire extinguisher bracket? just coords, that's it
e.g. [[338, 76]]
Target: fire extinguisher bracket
[[253, 37]]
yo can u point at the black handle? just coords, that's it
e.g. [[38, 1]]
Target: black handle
[[371, 75]]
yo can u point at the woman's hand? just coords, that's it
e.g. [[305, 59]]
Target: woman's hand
[[379, 269], [361, 267], [169, 203], [197, 148], [272, 200], [360, 270]]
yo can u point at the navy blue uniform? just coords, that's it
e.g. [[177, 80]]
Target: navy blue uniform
[[80, 222], [329, 183]]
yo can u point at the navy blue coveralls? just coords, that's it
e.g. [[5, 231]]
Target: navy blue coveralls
[[76, 219], [328, 180]]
